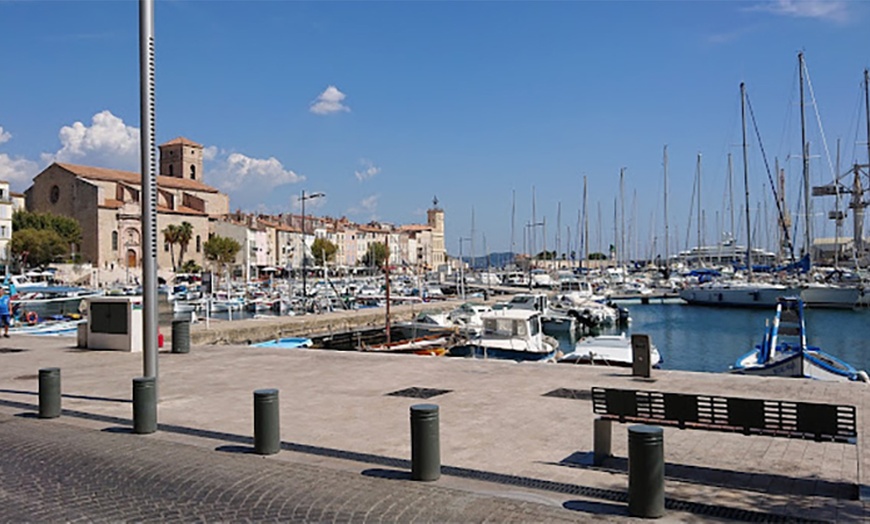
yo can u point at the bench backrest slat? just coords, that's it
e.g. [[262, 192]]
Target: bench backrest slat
[[778, 418]]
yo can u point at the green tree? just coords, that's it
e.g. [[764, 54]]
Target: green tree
[[170, 236], [221, 250], [37, 247], [68, 229], [190, 266], [323, 250], [375, 255], [597, 256], [185, 234]]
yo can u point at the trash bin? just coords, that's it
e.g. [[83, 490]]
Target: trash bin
[[180, 336]]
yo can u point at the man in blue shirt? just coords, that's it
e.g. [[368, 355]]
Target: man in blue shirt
[[5, 315]]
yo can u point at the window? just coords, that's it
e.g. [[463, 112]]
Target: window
[[198, 243], [171, 170], [192, 171], [54, 195], [166, 246], [2, 231], [114, 240]]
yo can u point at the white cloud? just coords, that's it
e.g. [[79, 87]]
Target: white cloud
[[369, 170], [833, 10], [17, 171], [210, 153], [4, 135], [329, 102], [238, 171], [367, 206], [107, 142]]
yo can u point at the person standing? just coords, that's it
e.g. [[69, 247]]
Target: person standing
[[5, 312]]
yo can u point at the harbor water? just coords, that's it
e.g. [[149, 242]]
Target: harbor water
[[696, 338], [693, 338]]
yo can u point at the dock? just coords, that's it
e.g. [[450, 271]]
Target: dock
[[511, 438]]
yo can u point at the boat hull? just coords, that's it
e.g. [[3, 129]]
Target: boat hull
[[484, 352], [749, 296]]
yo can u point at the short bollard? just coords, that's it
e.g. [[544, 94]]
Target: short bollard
[[646, 471], [144, 405], [425, 445], [49, 393], [601, 448], [181, 336], [267, 424]]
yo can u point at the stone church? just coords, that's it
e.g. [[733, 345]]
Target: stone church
[[106, 202]]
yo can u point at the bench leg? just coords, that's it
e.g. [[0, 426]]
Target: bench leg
[[601, 445]]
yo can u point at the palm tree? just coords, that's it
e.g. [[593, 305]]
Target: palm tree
[[185, 233], [171, 237]]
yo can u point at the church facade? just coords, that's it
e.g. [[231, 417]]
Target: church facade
[[106, 202]]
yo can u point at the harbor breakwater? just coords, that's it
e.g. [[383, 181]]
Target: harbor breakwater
[[267, 328]]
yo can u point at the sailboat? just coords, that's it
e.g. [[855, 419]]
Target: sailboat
[[784, 351], [738, 293]]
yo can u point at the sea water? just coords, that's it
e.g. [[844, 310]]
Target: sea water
[[697, 338]]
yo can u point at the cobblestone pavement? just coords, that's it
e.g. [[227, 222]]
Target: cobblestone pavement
[[50, 471]]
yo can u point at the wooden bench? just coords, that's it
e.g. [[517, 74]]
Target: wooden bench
[[774, 418]]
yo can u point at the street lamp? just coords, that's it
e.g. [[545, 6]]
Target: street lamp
[[303, 198]]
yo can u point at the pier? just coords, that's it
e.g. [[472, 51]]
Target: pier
[[513, 436]]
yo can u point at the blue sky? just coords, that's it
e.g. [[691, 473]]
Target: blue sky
[[383, 105]]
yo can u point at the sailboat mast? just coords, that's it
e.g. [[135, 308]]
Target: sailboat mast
[[585, 224], [667, 232], [733, 231], [805, 160], [622, 215], [558, 228], [513, 220], [746, 180], [698, 174]]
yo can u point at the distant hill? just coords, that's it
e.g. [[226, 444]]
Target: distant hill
[[496, 260]]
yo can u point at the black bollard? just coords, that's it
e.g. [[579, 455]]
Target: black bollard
[[49, 393], [144, 405], [267, 423], [425, 445], [646, 471], [181, 336]]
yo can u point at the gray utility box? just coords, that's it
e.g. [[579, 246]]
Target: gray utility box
[[115, 323]]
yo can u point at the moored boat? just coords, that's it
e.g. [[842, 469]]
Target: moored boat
[[784, 352], [510, 334], [608, 350]]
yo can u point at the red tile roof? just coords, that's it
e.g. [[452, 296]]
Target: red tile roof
[[182, 141], [181, 210], [135, 179], [111, 203]]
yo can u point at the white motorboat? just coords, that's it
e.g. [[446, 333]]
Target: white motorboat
[[735, 293], [608, 350], [511, 334]]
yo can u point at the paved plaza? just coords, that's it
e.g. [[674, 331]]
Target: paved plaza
[[509, 450]]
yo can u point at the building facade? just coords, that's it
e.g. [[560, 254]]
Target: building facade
[[107, 204]]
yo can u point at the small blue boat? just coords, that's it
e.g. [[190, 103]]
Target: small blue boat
[[784, 352], [285, 343]]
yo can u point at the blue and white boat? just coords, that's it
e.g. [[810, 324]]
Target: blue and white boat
[[784, 352], [509, 334], [285, 343]]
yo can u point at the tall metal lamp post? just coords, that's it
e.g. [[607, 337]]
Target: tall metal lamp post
[[303, 198]]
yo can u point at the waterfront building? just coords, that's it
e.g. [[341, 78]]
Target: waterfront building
[[9, 203], [106, 202]]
